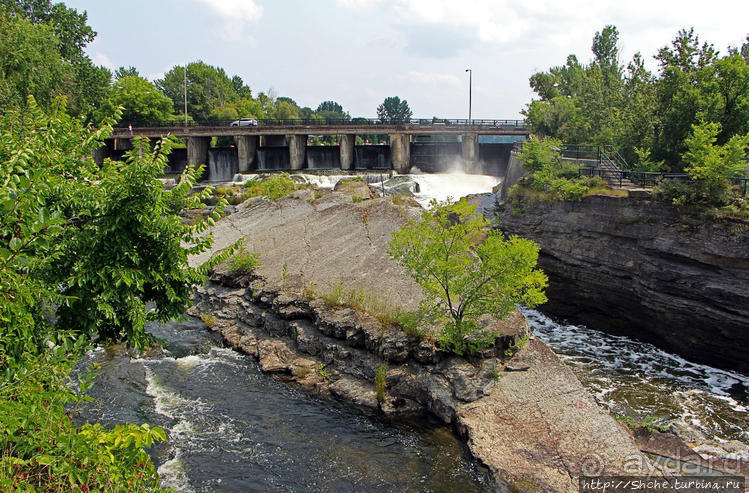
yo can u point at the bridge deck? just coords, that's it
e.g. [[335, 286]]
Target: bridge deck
[[483, 127]]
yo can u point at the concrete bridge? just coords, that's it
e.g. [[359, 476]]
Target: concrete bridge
[[289, 137]]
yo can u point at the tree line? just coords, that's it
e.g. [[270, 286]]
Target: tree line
[[648, 117], [42, 55]]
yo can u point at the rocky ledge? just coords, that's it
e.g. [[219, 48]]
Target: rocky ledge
[[520, 410], [646, 269]]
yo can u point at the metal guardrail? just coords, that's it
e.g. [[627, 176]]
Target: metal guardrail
[[650, 178], [354, 122]]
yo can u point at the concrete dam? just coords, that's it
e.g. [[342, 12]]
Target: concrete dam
[[475, 146]]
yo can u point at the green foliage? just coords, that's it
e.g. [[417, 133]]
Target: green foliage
[[650, 423], [540, 154], [43, 55], [244, 262], [466, 271], [208, 319], [140, 101], [713, 166], [322, 372], [636, 111], [94, 246], [41, 449], [381, 382], [274, 187], [393, 110], [645, 163], [550, 174], [208, 88]]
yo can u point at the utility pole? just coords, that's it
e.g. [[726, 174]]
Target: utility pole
[[185, 94], [470, 83]]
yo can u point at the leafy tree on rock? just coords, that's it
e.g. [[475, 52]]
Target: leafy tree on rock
[[466, 271], [393, 110]]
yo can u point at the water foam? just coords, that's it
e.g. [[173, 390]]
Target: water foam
[[638, 379]]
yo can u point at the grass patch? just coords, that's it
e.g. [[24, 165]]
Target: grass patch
[[208, 319], [604, 190], [244, 262], [274, 187], [324, 374], [651, 423], [380, 382], [383, 312]]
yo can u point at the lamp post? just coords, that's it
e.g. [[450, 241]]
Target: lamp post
[[470, 83], [185, 81]]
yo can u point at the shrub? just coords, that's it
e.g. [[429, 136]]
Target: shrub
[[380, 382], [274, 187], [244, 262]]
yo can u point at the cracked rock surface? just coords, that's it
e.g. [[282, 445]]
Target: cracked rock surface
[[534, 426]]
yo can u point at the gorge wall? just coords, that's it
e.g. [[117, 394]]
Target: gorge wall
[[645, 269]]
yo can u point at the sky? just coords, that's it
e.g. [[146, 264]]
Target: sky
[[358, 52]]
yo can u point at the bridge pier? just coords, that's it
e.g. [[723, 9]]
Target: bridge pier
[[347, 151], [400, 152], [470, 149], [297, 150], [246, 151], [197, 150]]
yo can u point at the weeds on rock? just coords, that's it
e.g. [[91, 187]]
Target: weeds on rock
[[208, 319], [516, 346], [380, 382], [244, 262], [324, 374]]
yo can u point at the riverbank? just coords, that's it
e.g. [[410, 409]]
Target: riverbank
[[527, 418]]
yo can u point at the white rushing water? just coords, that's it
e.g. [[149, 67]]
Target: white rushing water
[[437, 186]]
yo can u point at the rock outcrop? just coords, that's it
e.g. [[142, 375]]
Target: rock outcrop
[[526, 417], [645, 269]]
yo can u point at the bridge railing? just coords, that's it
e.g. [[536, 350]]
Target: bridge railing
[[354, 122]]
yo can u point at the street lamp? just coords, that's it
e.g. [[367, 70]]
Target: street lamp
[[185, 80], [470, 83]]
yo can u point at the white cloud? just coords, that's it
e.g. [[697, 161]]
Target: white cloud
[[432, 78], [102, 59], [234, 15]]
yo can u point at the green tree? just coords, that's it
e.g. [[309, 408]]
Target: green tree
[[393, 110], [208, 87], [123, 72], [713, 166], [105, 248], [30, 63], [140, 100], [466, 271], [85, 84]]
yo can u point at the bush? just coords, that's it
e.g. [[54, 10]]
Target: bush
[[274, 187], [244, 262], [380, 382]]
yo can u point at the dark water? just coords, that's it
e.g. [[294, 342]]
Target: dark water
[[233, 429], [636, 379]]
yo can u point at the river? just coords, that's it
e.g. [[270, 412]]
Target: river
[[231, 428]]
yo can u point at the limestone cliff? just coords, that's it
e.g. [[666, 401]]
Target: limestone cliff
[[647, 269]]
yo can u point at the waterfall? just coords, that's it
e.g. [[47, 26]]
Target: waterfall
[[222, 164]]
